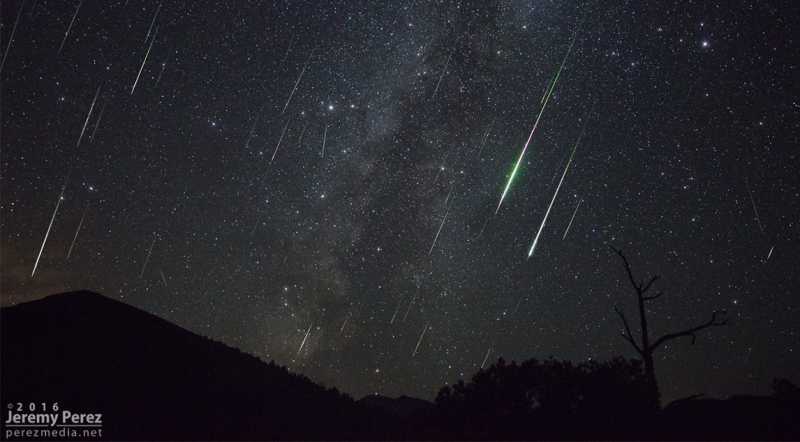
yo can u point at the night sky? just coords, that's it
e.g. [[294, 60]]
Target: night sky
[[318, 182]]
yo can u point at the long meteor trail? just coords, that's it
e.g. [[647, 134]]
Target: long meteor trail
[[535, 125], [555, 194], [69, 28], [147, 54], [47, 233], [297, 82], [11, 38]]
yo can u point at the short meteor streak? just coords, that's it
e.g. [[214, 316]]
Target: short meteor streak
[[77, 231], [547, 213], [485, 137], [161, 74], [302, 344], [11, 38], [69, 28], [419, 341], [396, 310], [446, 64], [344, 324], [163, 278], [324, 139], [444, 218], [410, 304], [144, 61], [297, 82], [535, 125], [755, 209], [147, 258], [279, 143], [88, 116], [97, 123], [486, 358], [47, 233], [572, 219], [769, 255]]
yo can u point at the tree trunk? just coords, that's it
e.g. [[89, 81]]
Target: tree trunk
[[651, 383]]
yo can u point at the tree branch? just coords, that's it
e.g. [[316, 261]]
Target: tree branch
[[656, 296], [627, 335], [713, 322], [627, 269], [647, 286]]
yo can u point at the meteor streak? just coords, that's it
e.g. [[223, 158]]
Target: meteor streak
[[279, 143], [47, 233], [302, 344], [572, 219], [769, 255], [88, 116], [560, 182], [161, 74], [753, 202], [11, 38], [324, 139], [296, 83], [486, 358], [144, 61], [535, 125], [147, 258], [163, 278], [397, 310], [152, 22], [69, 28], [485, 137], [444, 218], [419, 341], [75, 238], [446, 64], [410, 304], [341, 330], [97, 123]]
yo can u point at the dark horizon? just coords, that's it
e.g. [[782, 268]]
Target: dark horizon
[[141, 377], [384, 196]]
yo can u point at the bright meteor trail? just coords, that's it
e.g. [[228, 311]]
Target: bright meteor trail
[[547, 213], [147, 54], [50, 226], [535, 125]]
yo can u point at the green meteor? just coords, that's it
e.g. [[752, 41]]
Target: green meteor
[[535, 125]]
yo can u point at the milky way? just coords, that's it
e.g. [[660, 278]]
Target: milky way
[[316, 182]]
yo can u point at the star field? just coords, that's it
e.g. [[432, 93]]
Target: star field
[[316, 182]]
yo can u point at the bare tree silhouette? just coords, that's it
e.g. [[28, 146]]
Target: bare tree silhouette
[[646, 347]]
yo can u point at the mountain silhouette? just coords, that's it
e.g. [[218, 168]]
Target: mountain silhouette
[[154, 380]]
